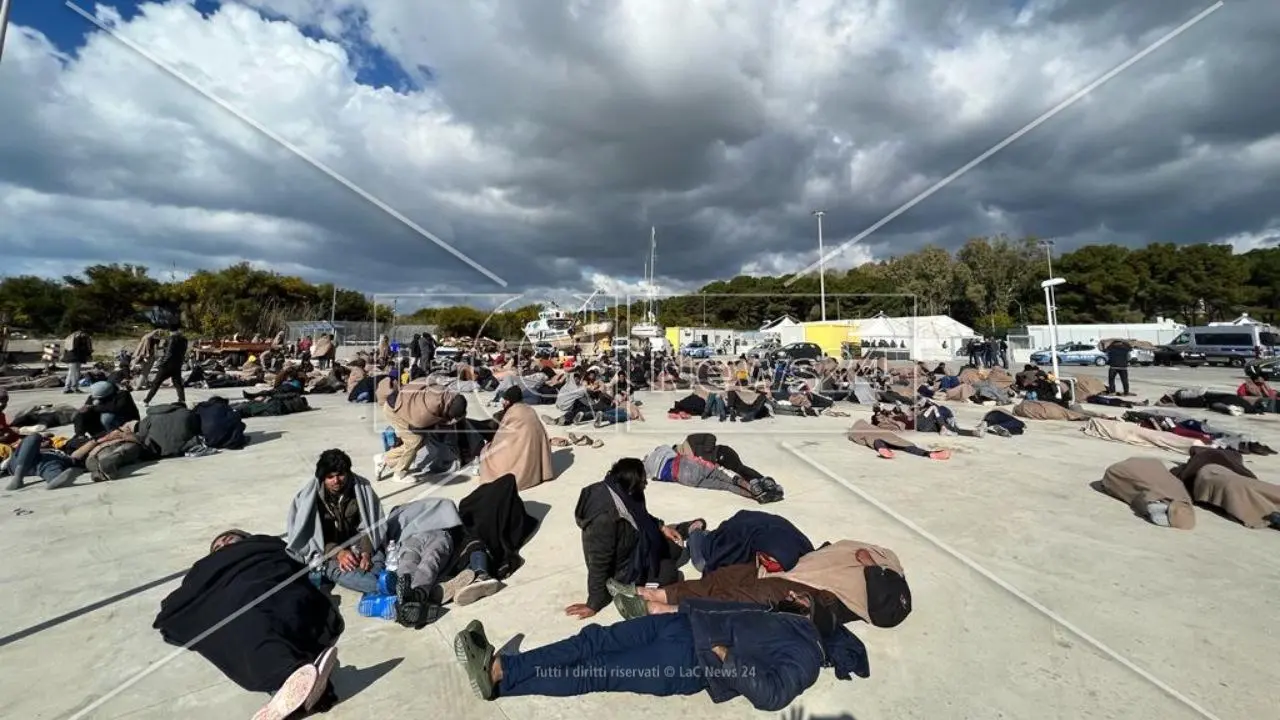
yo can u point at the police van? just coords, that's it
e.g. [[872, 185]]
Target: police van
[[1228, 344]]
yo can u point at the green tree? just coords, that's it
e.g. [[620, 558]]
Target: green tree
[[32, 303]]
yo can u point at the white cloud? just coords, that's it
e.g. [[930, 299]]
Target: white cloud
[[554, 134]]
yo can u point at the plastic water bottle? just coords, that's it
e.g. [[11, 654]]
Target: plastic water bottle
[[388, 438], [373, 605], [393, 556]]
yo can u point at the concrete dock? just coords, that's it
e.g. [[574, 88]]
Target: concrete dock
[[1010, 555]]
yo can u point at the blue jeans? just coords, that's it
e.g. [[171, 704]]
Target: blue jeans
[[613, 416], [365, 581], [30, 459], [479, 563], [650, 655]]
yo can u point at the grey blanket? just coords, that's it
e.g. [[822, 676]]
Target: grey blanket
[[304, 538]]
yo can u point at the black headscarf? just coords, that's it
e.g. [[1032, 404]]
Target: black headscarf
[[646, 558]]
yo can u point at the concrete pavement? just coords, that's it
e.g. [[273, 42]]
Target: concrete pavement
[[85, 569]]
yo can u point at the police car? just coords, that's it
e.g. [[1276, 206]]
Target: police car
[[1072, 354]]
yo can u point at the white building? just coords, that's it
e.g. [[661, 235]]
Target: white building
[[1162, 331]]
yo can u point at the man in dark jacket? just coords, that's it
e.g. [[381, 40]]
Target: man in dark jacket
[[107, 408], [170, 366], [1118, 366], [168, 430], [79, 350], [620, 540], [248, 608], [768, 655]]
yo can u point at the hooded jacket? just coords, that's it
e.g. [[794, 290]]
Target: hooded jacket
[[609, 539]]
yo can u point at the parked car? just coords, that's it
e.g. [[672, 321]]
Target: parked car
[[797, 352], [1268, 369], [1142, 356], [1168, 356], [1071, 354], [542, 348], [697, 349], [762, 351]]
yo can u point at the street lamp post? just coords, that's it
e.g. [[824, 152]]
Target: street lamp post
[[822, 267], [1051, 313]]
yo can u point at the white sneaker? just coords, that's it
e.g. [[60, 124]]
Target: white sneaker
[[404, 478], [379, 466]]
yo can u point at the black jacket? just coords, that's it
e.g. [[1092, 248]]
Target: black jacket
[[608, 542], [1118, 355], [167, 430], [175, 351]]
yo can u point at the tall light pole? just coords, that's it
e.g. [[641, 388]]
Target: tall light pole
[[822, 266], [4, 23], [1051, 313]]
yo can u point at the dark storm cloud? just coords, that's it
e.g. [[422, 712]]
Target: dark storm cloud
[[587, 127]]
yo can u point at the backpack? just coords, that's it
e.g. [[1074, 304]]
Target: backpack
[[109, 462]]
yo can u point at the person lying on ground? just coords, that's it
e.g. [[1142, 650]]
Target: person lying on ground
[[107, 408], [336, 520], [33, 456], [767, 655], [620, 539], [1222, 402], [859, 581], [248, 609], [886, 442], [1216, 477], [748, 536], [932, 417], [671, 463]]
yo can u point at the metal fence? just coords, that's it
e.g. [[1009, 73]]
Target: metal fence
[[354, 333]]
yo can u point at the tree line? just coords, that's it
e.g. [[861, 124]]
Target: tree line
[[990, 283]]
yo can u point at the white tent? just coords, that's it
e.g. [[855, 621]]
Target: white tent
[[929, 337]]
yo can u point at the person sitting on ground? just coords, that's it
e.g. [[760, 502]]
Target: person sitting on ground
[[768, 655], [858, 581], [248, 609], [337, 517], [415, 408], [572, 400], [34, 456], [520, 445], [107, 408], [1255, 386], [620, 540], [684, 465], [8, 434]]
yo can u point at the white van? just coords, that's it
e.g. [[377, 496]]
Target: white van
[[1228, 344]]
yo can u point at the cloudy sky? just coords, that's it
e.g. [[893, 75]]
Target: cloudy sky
[[542, 138]]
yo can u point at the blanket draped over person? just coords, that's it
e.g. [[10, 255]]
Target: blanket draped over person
[[837, 569], [303, 532], [495, 515], [1141, 481], [747, 532], [276, 620], [520, 447], [866, 434], [1218, 477], [1045, 410], [1132, 434]]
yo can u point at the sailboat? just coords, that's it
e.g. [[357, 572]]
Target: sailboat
[[649, 327]]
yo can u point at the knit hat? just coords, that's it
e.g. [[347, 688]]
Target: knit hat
[[101, 390]]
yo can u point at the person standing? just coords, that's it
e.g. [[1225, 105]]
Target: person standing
[[145, 356], [175, 352], [79, 350], [415, 350], [428, 351], [1118, 366], [1004, 353]]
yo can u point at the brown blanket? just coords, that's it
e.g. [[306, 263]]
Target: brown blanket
[[1120, 431], [1219, 478], [866, 434], [1044, 410], [1140, 481]]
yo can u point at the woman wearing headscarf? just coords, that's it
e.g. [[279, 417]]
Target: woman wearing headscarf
[[520, 446], [621, 541]]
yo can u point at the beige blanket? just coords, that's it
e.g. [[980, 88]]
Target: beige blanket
[[520, 447], [1133, 434], [866, 434], [1044, 410]]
